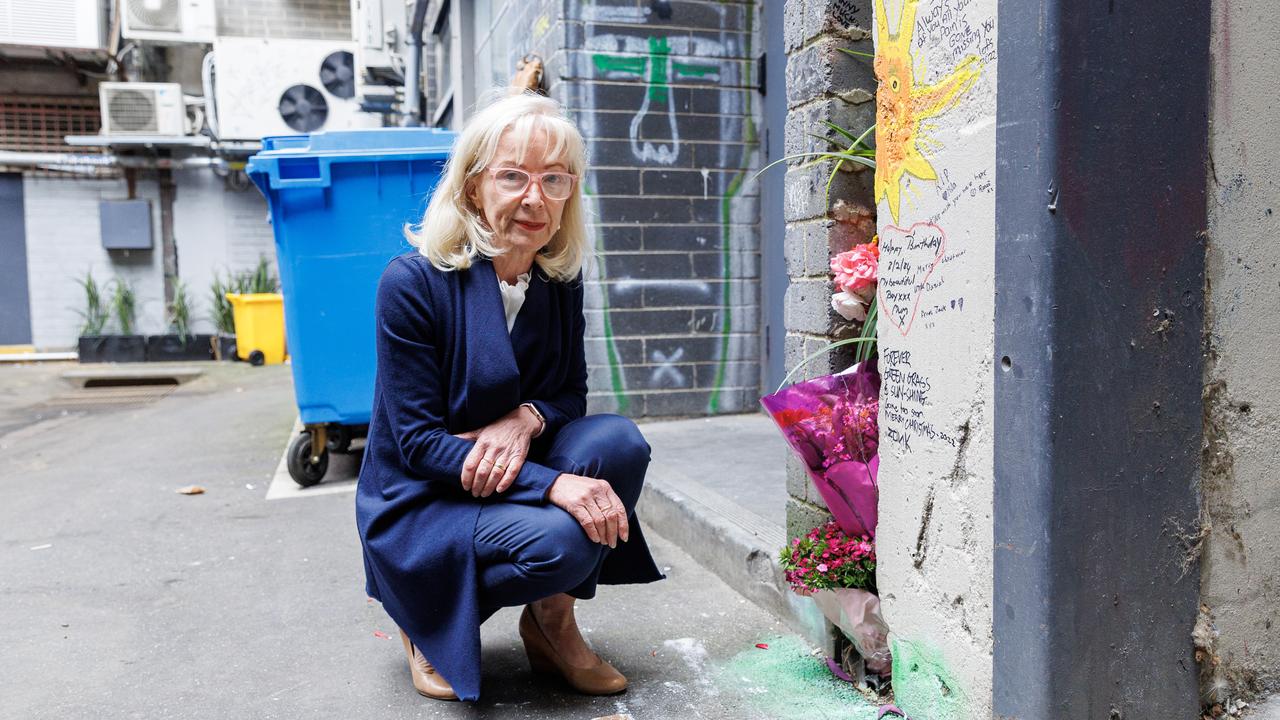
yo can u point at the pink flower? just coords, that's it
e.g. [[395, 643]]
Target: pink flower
[[857, 269], [822, 567]]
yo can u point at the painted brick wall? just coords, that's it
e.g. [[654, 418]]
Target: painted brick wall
[[64, 242], [216, 230], [823, 84], [313, 19], [671, 112]]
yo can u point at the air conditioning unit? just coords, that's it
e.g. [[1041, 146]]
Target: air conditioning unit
[[169, 21], [271, 86], [378, 28], [130, 108], [51, 23]]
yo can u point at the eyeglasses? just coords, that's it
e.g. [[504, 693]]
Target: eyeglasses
[[514, 181]]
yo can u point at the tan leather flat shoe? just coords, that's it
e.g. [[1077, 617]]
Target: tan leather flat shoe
[[599, 679], [426, 680]]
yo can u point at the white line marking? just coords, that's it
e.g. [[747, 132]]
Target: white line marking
[[340, 478]]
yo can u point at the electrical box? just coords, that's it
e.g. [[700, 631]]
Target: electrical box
[[125, 224]]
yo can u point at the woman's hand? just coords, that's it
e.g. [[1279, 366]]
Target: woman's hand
[[594, 505], [499, 452]]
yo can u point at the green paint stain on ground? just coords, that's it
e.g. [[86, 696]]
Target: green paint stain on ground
[[922, 684], [785, 682]]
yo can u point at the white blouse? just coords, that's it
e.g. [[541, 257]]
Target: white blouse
[[513, 297]]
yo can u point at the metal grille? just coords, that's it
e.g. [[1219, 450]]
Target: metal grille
[[38, 123], [132, 111]]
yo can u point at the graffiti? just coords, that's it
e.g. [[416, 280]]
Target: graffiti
[[935, 133], [654, 84], [541, 26], [657, 68], [689, 291], [902, 105], [909, 258], [666, 372]]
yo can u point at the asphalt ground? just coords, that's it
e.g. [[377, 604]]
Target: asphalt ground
[[122, 598]]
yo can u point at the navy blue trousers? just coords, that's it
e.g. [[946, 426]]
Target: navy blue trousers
[[529, 552]]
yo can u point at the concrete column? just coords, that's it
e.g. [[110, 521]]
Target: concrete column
[[1100, 219], [1240, 568], [936, 192]]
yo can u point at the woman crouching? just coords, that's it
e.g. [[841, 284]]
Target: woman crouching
[[484, 484]]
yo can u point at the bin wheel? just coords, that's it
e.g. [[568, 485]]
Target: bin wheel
[[339, 439], [257, 358], [301, 469]]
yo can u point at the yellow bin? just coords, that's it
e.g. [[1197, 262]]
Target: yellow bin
[[259, 327]]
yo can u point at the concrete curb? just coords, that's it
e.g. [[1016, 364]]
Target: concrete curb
[[739, 546]]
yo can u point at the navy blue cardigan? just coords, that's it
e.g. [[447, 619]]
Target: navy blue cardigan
[[446, 364]]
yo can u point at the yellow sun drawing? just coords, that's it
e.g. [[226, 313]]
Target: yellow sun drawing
[[901, 105]]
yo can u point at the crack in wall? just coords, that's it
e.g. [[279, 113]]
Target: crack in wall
[[922, 545]]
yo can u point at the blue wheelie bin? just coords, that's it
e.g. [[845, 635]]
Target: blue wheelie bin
[[338, 203]]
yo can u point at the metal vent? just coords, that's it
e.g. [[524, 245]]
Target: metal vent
[[303, 108], [49, 22], [132, 111], [338, 75], [155, 15]]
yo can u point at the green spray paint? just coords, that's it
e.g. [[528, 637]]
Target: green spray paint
[[787, 682], [659, 49], [750, 142], [923, 686], [658, 69], [615, 367]]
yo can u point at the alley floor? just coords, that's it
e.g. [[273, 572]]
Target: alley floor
[[122, 598]]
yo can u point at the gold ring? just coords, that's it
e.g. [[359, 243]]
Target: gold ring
[[485, 460], [499, 467]]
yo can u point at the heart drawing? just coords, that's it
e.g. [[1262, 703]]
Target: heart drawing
[[907, 258]]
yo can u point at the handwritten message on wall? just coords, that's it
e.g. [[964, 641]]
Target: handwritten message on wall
[[935, 191]]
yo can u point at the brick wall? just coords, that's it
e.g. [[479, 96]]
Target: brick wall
[[313, 19], [216, 231], [64, 242], [822, 84], [669, 105]]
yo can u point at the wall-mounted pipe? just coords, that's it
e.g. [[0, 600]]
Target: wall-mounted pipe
[[413, 71], [73, 162]]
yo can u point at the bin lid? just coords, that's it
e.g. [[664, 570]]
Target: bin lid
[[372, 141], [303, 160]]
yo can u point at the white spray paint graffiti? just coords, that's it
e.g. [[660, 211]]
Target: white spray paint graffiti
[[666, 369]]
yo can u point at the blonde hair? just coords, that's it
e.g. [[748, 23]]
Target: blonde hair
[[451, 233]]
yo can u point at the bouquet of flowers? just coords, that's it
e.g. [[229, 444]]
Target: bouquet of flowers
[[827, 558], [831, 424], [838, 571], [856, 273]]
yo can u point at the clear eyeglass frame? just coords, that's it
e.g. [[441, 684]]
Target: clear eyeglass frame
[[516, 181]]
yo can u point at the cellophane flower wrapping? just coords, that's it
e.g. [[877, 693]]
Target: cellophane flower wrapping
[[831, 423], [857, 613]]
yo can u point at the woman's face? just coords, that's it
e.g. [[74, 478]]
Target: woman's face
[[527, 221]]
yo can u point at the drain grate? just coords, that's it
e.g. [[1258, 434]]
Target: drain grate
[[115, 390]]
